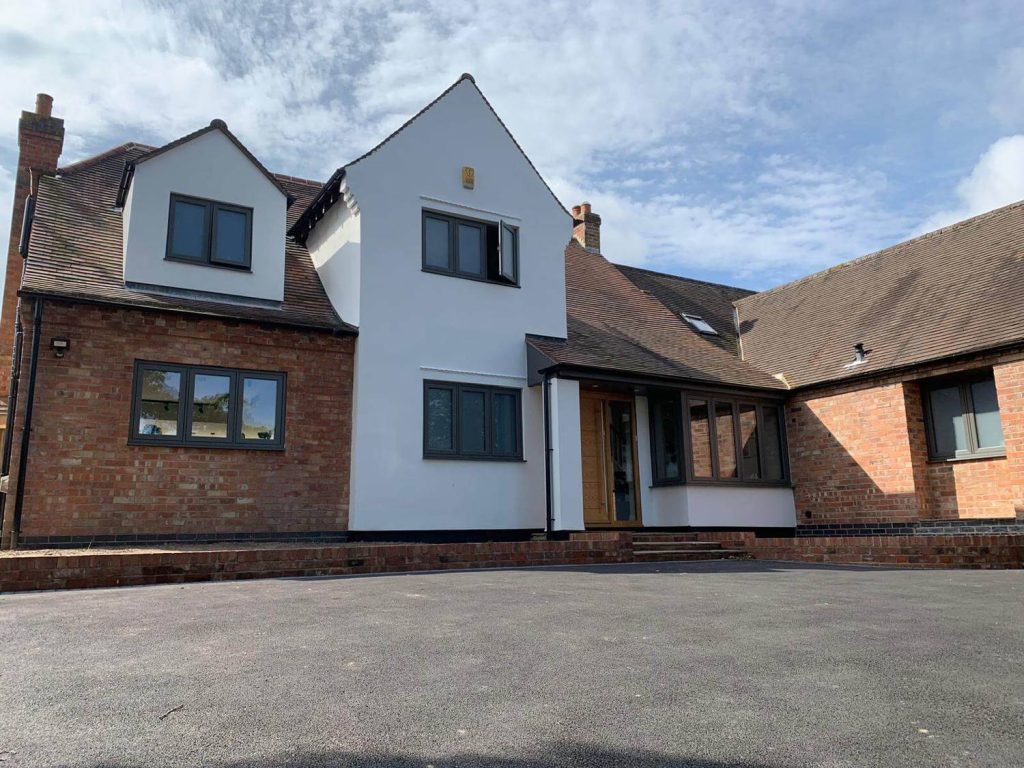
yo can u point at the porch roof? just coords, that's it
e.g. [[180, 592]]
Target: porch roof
[[615, 326]]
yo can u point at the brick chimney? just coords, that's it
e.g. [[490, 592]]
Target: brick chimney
[[40, 141], [586, 229]]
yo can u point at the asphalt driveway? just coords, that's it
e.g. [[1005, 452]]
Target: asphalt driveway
[[716, 665]]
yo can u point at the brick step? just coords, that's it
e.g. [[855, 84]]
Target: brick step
[[666, 555], [677, 544], [681, 537]]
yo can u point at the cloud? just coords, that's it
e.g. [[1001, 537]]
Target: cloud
[[996, 180], [749, 141], [794, 218], [1008, 89]]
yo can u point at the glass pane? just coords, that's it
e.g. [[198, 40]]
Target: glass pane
[[188, 240], [986, 414], [504, 420], [210, 395], [158, 408], [667, 452], [948, 430], [724, 431], [471, 248], [508, 253], [700, 438], [231, 236], [771, 444], [436, 246], [472, 421], [620, 423], [259, 409], [440, 413], [749, 449]]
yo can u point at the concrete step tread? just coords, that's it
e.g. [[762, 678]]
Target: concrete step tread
[[637, 552], [693, 544]]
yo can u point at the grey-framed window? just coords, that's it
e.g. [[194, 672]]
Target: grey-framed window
[[666, 417], [733, 440], [472, 421], [207, 406], [961, 416], [209, 232], [470, 248]]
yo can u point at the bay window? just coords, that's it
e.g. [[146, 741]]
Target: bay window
[[715, 439]]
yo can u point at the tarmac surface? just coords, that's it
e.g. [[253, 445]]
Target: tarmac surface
[[716, 665]]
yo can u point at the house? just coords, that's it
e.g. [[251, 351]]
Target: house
[[429, 344]]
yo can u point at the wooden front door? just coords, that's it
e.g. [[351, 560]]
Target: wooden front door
[[608, 442]]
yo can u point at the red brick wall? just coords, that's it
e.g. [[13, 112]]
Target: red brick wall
[[850, 456], [85, 480], [859, 453]]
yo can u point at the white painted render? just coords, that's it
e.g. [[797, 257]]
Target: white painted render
[[706, 505], [415, 325], [212, 167], [566, 456], [334, 246]]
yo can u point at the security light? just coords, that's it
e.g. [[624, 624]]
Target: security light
[[60, 345]]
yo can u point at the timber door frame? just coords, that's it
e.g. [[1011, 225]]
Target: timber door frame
[[604, 454]]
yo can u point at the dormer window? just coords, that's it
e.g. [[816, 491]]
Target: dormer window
[[700, 325], [209, 232], [477, 250]]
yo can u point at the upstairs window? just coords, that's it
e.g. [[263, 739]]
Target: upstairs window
[[208, 232], [962, 417], [476, 250], [216, 407], [471, 421]]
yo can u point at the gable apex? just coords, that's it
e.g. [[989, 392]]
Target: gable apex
[[215, 125]]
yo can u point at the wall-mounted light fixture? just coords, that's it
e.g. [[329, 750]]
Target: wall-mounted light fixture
[[60, 345]]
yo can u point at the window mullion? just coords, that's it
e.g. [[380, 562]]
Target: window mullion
[[759, 432], [208, 227], [488, 415], [970, 425], [713, 433], [235, 408], [737, 439], [456, 414]]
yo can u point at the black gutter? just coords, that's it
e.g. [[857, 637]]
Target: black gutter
[[26, 432], [897, 370], [550, 526], [616, 376], [343, 330], [12, 408]]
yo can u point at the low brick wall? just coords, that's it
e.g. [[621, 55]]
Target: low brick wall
[[932, 551], [22, 571]]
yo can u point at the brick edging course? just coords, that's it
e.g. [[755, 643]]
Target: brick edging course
[[81, 571], [922, 551]]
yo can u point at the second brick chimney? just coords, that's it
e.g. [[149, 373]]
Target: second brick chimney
[[40, 142], [586, 228]]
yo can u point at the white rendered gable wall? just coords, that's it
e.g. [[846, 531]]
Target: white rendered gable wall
[[212, 167], [415, 325]]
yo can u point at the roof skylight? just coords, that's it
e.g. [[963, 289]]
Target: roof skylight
[[699, 324]]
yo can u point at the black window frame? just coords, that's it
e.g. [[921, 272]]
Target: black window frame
[[658, 475], [184, 438], [502, 229], [963, 381], [712, 399], [209, 258], [489, 390]]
